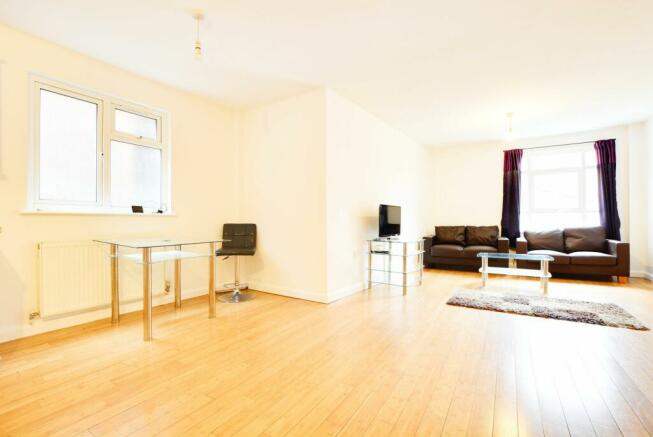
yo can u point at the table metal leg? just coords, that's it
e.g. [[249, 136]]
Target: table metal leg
[[147, 294], [369, 265], [115, 290], [420, 260], [212, 281], [544, 267], [404, 268], [178, 281], [484, 274], [387, 265]]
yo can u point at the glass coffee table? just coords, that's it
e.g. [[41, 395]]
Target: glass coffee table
[[542, 273]]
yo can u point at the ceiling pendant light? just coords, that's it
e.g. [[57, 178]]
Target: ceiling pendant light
[[197, 49], [510, 134]]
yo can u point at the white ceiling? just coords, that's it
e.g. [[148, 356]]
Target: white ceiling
[[442, 71]]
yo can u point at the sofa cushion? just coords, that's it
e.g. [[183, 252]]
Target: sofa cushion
[[585, 239], [481, 235], [558, 257], [473, 251], [593, 259], [545, 240], [447, 250], [450, 234]]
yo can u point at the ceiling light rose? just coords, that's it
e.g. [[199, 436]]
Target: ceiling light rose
[[509, 130], [197, 48]]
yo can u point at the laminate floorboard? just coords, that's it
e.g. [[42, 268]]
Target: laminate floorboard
[[376, 363]]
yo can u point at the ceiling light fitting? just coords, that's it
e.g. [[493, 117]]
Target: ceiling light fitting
[[197, 49], [509, 131]]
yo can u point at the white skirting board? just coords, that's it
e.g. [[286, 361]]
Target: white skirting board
[[346, 291], [288, 292], [39, 326], [642, 274], [307, 295]]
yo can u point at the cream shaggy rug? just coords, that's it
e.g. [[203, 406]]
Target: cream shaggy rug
[[605, 314]]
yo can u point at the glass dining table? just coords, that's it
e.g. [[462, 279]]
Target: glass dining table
[[148, 252]]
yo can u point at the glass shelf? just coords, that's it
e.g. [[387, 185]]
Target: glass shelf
[[396, 240], [150, 244], [383, 269], [516, 272], [394, 272], [159, 257], [517, 256], [377, 252]]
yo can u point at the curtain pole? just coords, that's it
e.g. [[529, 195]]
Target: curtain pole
[[557, 145]]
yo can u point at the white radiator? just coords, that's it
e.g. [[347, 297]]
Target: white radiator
[[76, 276]]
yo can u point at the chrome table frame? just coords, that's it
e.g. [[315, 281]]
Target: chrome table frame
[[543, 273], [146, 258]]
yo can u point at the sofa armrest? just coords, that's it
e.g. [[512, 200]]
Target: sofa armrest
[[522, 245], [622, 251], [428, 242], [618, 248], [503, 245]]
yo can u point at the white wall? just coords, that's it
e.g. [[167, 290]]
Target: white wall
[[267, 165], [283, 191], [315, 168], [647, 207], [309, 170], [368, 163], [637, 173], [467, 187], [204, 173]]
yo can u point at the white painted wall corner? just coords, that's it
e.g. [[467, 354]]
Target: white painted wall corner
[[343, 292], [288, 292]]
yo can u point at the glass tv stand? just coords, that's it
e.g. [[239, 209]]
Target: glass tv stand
[[395, 261]]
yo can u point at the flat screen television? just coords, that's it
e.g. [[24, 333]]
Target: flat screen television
[[389, 220]]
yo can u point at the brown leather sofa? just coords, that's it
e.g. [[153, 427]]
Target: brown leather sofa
[[458, 246], [578, 251]]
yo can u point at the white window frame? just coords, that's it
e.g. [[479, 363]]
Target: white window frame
[[115, 135], [529, 174], [36, 198], [107, 105]]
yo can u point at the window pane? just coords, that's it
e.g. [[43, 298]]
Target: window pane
[[558, 190], [591, 190], [136, 125], [135, 175], [590, 158], [67, 148], [563, 189], [556, 220], [524, 193], [547, 160], [592, 219]]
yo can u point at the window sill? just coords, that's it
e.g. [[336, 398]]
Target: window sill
[[97, 213]]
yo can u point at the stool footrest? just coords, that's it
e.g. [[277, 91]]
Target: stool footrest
[[236, 297], [232, 286]]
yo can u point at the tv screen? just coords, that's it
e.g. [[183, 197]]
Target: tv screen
[[389, 220]]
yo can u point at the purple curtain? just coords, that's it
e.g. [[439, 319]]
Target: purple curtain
[[511, 194], [606, 158]]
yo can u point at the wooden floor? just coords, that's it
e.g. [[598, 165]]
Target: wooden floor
[[375, 363]]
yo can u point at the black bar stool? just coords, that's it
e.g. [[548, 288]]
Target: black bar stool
[[241, 241]]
